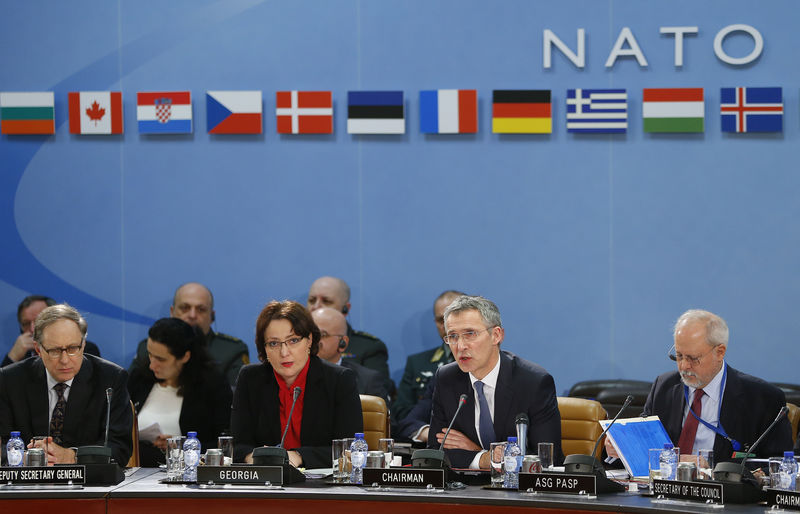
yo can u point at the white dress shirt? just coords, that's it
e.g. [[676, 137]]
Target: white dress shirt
[[489, 388]]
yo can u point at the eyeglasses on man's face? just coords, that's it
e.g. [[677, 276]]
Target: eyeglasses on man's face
[[466, 337], [55, 353], [692, 360], [292, 342]]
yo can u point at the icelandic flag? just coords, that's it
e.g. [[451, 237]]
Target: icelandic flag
[[597, 111], [164, 112], [751, 109], [448, 111], [233, 112]]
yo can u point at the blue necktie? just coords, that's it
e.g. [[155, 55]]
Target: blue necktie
[[485, 422]]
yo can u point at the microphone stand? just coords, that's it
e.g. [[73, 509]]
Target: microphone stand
[[100, 467], [277, 455], [432, 458]]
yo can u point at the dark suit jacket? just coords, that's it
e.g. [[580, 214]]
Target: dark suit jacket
[[206, 410], [749, 405], [90, 348], [522, 386], [331, 410], [368, 380], [24, 405], [418, 416]]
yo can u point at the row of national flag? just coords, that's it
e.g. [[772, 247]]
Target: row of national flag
[[442, 111]]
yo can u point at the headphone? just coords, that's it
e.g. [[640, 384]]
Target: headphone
[[345, 310], [342, 343]]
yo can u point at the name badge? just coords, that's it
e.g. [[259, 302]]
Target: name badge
[[404, 477], [694, 491], [43, 475], [558, 483], [253, 475], [788, 500]]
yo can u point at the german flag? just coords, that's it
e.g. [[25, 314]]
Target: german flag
[[521, 111]]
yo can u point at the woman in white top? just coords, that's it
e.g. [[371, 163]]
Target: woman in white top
[[181, 391]]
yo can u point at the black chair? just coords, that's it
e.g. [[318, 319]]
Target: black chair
[[792, 391], [613, 398], [591, 388]]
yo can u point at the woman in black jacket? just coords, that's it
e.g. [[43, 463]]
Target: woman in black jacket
[[181, 391]]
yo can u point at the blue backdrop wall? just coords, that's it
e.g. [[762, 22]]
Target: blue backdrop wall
[[590, 245]]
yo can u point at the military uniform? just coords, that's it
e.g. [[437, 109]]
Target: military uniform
[[228, 352], [369, 351], [420, 368]]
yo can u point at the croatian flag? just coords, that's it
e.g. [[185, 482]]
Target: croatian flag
[[751, 109], [168, 112], [448, 111], [233, 112]]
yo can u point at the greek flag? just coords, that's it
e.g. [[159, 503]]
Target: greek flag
[[597, 111]]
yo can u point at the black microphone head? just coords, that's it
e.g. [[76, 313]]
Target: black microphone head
[[462, 399], [297, 391], [629, 399], [521, 419], [109, 393]]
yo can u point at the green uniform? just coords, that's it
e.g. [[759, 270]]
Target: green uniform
[[420, 368], [370, 352], [228, 352]]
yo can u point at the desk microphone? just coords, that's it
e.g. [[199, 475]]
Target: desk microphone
[[430, 457], [100, 466], [295, 396], [109, 394], [521, 422], [277, 455]]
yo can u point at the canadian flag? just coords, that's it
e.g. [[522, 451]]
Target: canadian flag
[[95, 112]]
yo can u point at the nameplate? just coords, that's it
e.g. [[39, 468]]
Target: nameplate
[[693, 491], [404, 477], [558, 483], [788, 500], [43, 475], [240, 475]]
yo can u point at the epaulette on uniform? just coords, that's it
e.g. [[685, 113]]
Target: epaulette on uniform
[[365, 334], [230, 338]]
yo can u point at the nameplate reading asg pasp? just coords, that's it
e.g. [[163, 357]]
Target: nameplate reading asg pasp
[[694, 491], [558, 483], [404, 477], [43, 475], [240, 475]]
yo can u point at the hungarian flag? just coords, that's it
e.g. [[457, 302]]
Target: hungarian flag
[[751, 109], [522, 111], [448, 111], [375, 112], [673, 110], [95, 112], [233, 112], [304, 112], [27, 113]]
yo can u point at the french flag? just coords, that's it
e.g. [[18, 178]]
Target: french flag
[[448, 111], [164, 112]]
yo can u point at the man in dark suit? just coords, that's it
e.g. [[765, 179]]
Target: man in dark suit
[[499, 385], [62, 393], [333, 343], [23, 346], [421, 366], [731, 402]]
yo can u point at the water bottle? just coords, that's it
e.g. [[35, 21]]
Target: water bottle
[[512, 462], [358, 458], [668, 462], [14, 450], [788, 472], [191, 457]]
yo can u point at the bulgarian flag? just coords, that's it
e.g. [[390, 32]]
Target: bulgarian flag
[[673, 110], [27, 113]]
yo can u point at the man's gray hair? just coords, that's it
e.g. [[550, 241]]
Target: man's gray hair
[[486, 307], [716, 328], [55, 313]]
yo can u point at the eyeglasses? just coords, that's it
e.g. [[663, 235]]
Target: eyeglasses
[[55, 353], [466, 337], [694, 361], [290, 343]]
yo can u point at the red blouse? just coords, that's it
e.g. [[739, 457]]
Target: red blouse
[[285, 394]]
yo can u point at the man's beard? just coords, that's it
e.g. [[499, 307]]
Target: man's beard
[[690, 379]]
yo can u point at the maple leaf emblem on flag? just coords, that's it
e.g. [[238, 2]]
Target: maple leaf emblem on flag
[[95, 113]]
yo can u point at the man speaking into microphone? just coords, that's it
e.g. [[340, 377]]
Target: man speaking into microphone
[[498, 384]]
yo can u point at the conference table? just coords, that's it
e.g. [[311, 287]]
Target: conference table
[[142, 493]]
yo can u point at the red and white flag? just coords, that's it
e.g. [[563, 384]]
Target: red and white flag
[[304, 112], [95, 112]]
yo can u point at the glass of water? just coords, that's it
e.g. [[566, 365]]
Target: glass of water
[[496, 452], [175, 458]]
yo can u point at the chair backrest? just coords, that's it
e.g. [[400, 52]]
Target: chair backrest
[[376, 419], [579, 424], [794, 419], [591, 388], [133, 462]]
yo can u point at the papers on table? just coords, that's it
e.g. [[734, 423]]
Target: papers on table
[[150, 433]]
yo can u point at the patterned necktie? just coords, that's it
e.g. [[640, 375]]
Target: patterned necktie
[[57, 420], [686, 441], [485, 421]]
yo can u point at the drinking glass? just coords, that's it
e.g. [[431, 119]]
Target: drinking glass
[[705, 464], [546, 455], [225, 443], [654, 463], [387, 447], [775, 472], [496, 453], [175, 458], [340, 475], [348, 464]]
